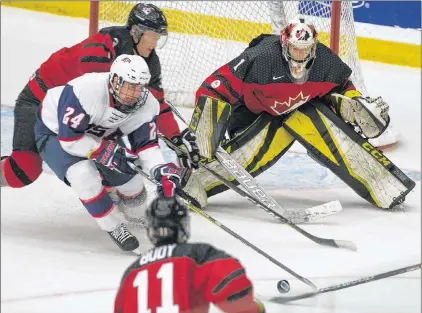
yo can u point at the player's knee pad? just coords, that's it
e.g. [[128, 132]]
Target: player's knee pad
[[132, 188], [133, 208], [85, 179], [21, 168], [133, 199]]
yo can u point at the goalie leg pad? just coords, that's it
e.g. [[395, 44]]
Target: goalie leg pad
[[256, 148], [209, 123], [195, 189], [336, 145]]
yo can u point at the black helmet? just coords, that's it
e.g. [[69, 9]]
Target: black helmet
[[148, 17], [167, 221]]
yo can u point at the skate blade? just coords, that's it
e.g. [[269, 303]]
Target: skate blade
[[137, 251]]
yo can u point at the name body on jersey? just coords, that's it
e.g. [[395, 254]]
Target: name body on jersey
[[157, 254]]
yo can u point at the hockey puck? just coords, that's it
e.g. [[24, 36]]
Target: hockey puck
[[283, 286]]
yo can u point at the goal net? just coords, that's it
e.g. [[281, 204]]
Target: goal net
[[204, 35]]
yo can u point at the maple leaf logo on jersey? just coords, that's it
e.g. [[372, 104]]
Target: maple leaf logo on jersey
[[292, 103]]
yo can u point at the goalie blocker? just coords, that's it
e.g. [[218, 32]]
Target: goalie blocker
[[259, 141]]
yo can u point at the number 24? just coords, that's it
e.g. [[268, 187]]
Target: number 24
[[165, 274], [74, 121]]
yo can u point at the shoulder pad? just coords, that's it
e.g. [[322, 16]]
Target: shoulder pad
[[258, 39], [122, 41], [200, 252]]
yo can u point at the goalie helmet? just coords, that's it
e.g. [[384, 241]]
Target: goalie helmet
[[148, 17], [129, 76], [167, 221], [299, 41]]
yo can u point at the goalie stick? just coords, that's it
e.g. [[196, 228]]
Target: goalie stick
[[197, 210], [231, 165], [305, 215], [364, 280]]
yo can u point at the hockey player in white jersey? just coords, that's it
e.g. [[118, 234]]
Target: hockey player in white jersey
[[76, 131]]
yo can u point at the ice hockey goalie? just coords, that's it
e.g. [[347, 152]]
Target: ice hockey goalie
[[289, 87]]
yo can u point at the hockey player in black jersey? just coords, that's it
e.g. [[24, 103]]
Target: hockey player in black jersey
[[187, 277], [291, 87]]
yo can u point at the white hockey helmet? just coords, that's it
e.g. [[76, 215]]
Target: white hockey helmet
[[129, 76], [299, 41]]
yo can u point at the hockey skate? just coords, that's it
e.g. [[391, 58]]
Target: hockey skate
[[124, 239]]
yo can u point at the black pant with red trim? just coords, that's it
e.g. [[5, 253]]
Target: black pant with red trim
[[24, 165], [25, 117]]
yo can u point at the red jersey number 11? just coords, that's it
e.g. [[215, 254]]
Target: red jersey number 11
[[165, 274]]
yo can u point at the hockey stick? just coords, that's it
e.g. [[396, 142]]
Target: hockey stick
[[349, 284], [197, 210], [245, 179], [208, 141], [307, 215]]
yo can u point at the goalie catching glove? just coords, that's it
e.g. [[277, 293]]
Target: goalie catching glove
[[169, 176], [112, 155], [186, 142], [369, 114]]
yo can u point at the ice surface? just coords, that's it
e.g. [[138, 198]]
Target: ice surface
[[55, 259]]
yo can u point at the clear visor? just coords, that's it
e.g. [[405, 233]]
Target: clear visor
[[151, 37], [299, 54], [298, 59], [129, 94]]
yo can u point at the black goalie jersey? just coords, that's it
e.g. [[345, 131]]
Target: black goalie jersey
[[259, 78]]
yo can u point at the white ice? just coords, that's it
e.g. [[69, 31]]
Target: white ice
[[55, 259]]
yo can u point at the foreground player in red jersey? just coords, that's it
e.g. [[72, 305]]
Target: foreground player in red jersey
[[146, 30], [289, 87], [176, 276]]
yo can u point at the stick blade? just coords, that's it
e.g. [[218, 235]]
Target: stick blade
[[322, 210], [346, 244], [286, 299]]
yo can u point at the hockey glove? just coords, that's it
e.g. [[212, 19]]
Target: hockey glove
[[190, 153], [115, 157], [169, 177], [369, 114]]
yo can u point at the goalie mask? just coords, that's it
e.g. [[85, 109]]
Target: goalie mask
[[299, 41], [129, 76], [148, 18], [167, 221]]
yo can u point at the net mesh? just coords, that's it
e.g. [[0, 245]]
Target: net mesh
[[204, 35]]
